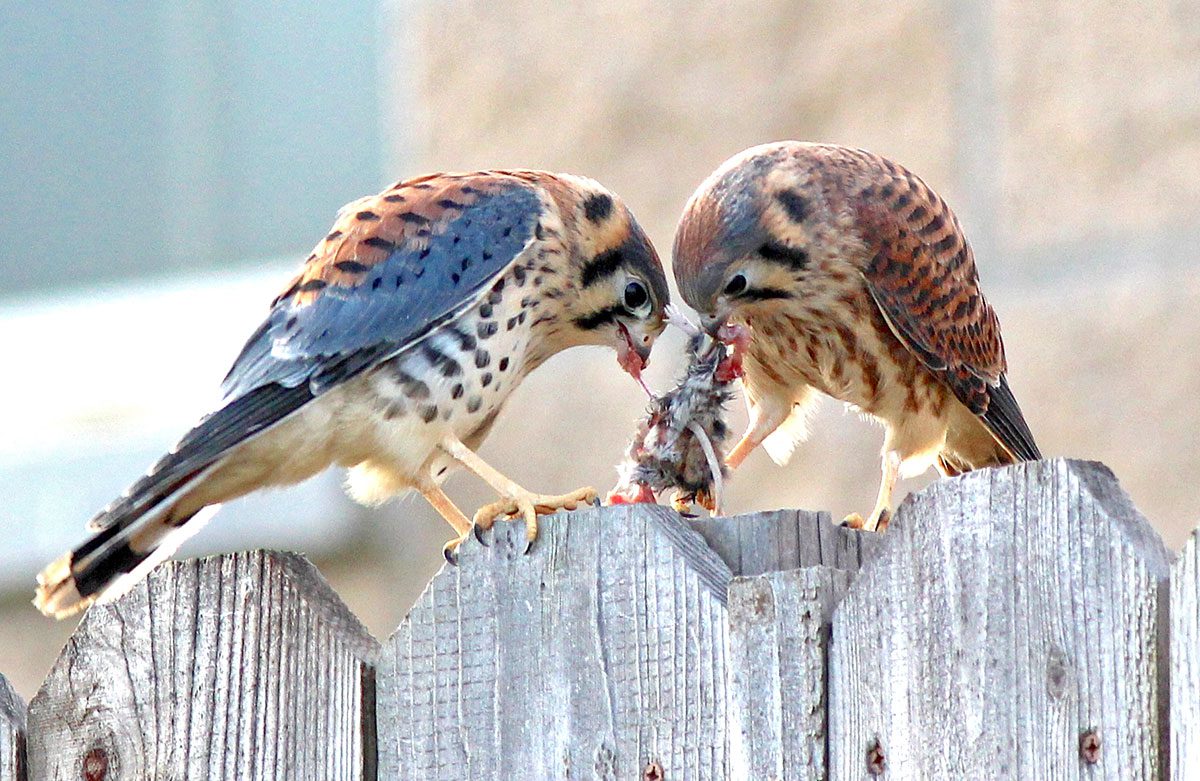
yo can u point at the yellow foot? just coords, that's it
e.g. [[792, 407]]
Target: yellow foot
[[685, 503], [878, 522], [530, 506], [682, 503]]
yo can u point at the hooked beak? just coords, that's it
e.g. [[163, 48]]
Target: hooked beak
[[633, 357], [713, 322]]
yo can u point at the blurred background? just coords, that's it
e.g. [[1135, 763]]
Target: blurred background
[[164, 166]]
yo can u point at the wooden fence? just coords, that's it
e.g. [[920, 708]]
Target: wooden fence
[[1020, 623]]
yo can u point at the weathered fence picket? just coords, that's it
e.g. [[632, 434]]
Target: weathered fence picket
[[599, 652], [239, 666], [1008, 615], [778, 636], [1185, 662], [12, 734], [1013, 623], [779, 540]]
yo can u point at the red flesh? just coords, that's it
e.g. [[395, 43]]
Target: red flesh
[[630, 494], [736, 337], [628, 358]]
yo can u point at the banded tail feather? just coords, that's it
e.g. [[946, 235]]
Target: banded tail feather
[[1012, 441], [110, 563], [165, 507]]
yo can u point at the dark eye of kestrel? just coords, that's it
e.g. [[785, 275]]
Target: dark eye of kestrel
[[857, 282]]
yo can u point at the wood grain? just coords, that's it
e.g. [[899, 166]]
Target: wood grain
[[237, 666], [1008, 613], [1185, 662], [600, 651], [612, 645], [1004, 615], [777, 540], [778, 638], [12, 734]]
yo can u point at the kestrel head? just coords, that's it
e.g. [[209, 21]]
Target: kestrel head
[[619, 293], [760, 227]]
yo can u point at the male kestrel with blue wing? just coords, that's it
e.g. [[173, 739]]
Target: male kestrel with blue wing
[[392, 353], [856, 281]]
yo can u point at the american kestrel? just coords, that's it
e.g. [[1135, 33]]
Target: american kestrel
[[856, 281], [391, 353]]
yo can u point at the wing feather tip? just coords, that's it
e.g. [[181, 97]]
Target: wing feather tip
[[1005, 420]]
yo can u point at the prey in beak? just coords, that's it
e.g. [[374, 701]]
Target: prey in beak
[[632, 357], [735, 338], [679, 445]]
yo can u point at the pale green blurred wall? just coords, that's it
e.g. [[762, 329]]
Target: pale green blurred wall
[[150, 152], [150, 137]]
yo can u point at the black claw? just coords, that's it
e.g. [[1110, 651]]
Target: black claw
[[524, 544], [479, 533], [450, 554]]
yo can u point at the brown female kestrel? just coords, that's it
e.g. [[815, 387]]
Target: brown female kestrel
[[857, 282]]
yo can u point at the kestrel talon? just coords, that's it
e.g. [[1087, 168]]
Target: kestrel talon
[[856, 281], [391, 353]]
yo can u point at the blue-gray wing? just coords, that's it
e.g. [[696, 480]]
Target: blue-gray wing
[[389, 272], [394, 267]]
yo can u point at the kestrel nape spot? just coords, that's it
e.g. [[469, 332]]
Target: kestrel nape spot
[[856, 281], [391, 353]]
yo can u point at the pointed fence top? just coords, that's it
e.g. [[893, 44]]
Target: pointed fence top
[[1010, 623]]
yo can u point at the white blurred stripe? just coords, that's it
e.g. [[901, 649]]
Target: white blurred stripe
[[119, 359], [96, 385]]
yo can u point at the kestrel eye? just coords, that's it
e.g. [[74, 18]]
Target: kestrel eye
[[636, 297], [736, 285]]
